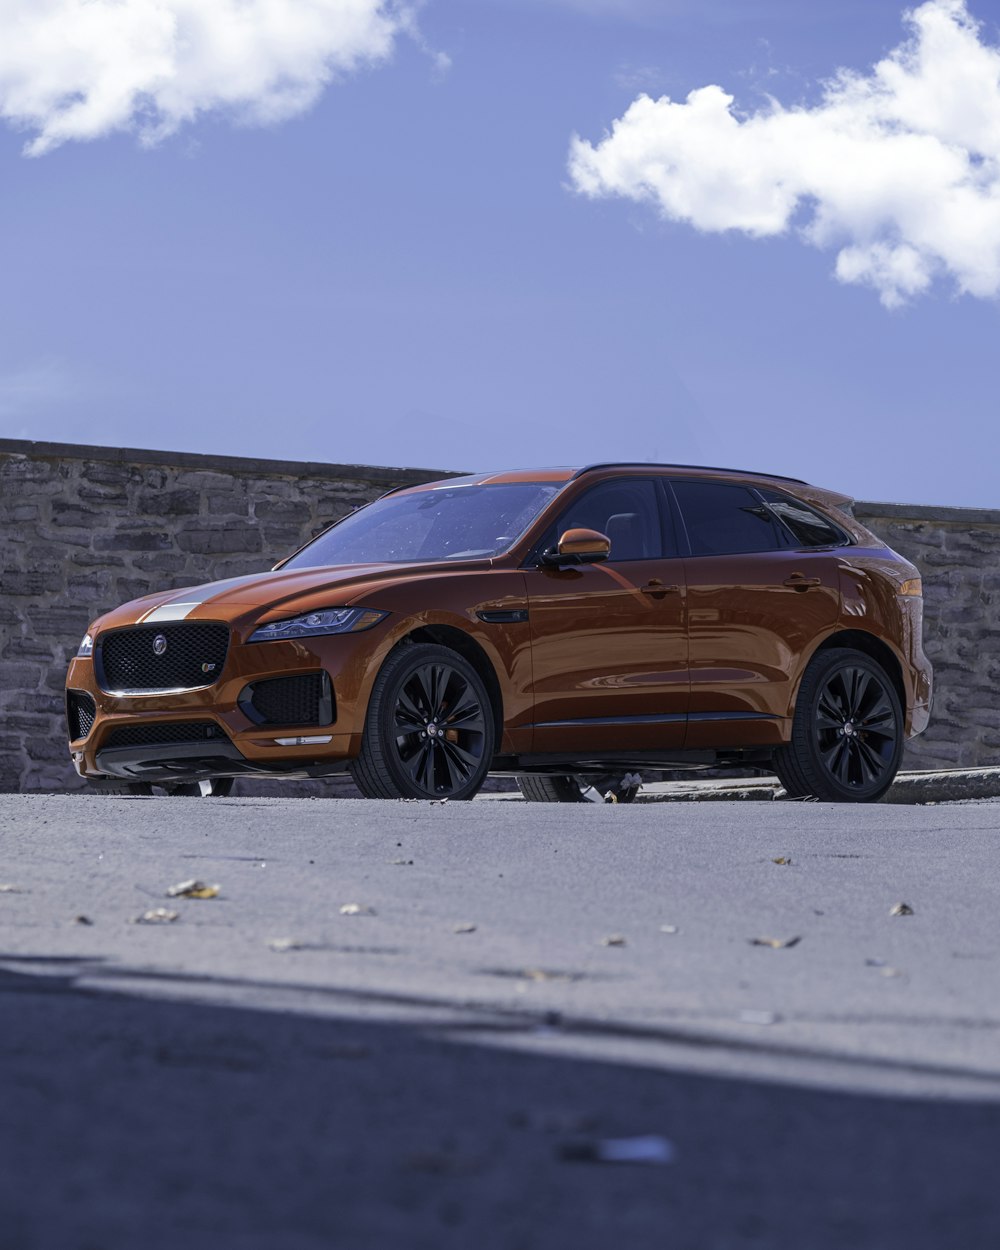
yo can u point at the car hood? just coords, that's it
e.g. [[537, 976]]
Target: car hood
[[278, 592]]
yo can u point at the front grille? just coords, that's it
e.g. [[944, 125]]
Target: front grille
[[163, 734], [302, 700], [192, 655], [81, 711]]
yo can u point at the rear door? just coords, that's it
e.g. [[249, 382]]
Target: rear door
[[758, 599], [609, 650]]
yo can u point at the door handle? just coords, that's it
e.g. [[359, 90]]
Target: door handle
[[657, 589], [798, 582]]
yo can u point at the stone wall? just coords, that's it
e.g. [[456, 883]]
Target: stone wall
[[957, 551], [84, 528]]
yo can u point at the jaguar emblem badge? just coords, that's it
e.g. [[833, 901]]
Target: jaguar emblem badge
[[159, 644]]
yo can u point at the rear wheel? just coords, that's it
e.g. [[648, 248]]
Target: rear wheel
[[429, 730], [580, 788], [847, 733]]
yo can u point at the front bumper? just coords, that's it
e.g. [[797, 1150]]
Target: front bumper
[[239, 745]]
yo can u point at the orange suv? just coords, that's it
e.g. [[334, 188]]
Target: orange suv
[[572, 628]]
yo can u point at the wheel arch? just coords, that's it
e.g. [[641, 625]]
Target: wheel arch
[[467, 647], [875, 648]]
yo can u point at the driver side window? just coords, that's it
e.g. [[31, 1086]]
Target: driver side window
[[626, 511]]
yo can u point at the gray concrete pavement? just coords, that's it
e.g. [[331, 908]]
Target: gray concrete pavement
[[414, 1075]]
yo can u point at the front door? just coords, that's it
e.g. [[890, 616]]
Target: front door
[[609, 651]]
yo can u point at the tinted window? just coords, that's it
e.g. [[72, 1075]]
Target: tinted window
[[723, 519], [808, 528], [626, 511], [443, 523]]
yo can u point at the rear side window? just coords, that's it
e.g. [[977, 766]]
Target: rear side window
[[809, 528], [725, 519], [626, 511]]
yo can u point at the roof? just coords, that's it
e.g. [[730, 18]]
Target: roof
[[562, 474]]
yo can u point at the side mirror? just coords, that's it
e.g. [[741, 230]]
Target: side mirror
[[579, 546]]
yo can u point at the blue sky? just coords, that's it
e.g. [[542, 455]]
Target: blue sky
[[405, 272]]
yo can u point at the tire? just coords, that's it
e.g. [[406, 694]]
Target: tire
[[429, 732], [579, 788], [847, 731], [218, 788]]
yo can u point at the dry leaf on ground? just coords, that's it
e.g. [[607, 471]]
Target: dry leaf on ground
[[193, 889]]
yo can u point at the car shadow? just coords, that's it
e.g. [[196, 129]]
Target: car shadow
[[149, 1121]]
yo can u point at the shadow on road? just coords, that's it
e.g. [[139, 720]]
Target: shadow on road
[[132, 1122]]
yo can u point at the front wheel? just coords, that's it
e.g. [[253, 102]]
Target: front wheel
[[429, 730], [581, 788], [847, 733]]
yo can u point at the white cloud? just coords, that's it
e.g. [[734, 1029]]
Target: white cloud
[[80, 69], [898, 169]]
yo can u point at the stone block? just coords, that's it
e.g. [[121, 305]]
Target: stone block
[[60, 619], [88, 587], [169, 503], [283, 539], [19, 675], [96, 559], [67, 512], [14, 513], [127, 588], [205, 480], [25, 469], [229, 539], [106, 473], [160, 562], [46, 748], [31, 584], [27, 649], [102, 492], [133, 540], [238, 568], [45, 702], [287, 510], [234, 504]]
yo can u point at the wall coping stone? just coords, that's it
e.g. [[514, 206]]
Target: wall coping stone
[[369, 473], [219, 464], [927, 512]]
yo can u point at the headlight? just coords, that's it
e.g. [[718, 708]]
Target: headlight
[[327, 621], [86, 647]]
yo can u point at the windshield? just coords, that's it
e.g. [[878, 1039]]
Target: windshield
[[444, 523]]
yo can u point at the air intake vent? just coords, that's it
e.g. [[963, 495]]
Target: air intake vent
[[302, 700], [81, 713], [162, 657], [163, 734]]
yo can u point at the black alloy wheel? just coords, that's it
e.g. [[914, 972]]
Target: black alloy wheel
[[847, 735], [429, 731], [580, 788]]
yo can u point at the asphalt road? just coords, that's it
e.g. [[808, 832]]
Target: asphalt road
[[518, 984]]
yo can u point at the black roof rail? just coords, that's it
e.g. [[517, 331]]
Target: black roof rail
[[705, 468]]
